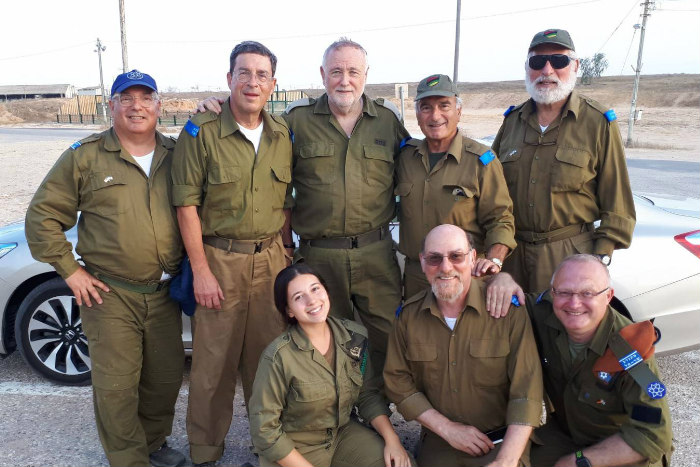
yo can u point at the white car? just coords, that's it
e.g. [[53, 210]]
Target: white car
[[658, 278]]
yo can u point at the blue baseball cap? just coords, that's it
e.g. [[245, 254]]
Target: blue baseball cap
[[133, 78]]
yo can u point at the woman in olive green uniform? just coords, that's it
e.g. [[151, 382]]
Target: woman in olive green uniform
[[308, 381]]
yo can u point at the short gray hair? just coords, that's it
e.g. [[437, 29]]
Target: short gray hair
[[339, 44], [582, 258], [460, 103]]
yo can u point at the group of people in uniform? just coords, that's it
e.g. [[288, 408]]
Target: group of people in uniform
[[469, 351]]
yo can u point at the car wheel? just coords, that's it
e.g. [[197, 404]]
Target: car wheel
[[49, 334]]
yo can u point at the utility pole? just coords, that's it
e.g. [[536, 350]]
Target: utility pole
[[459, 13], [122, 25], [648, 4], [99, 49]]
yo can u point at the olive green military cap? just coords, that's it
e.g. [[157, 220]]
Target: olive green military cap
[[436, 85], [553, 36]]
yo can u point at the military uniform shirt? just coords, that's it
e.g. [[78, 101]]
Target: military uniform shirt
[[127, 226], [573, 173], [296, 391], [240, 196], [484, 373], [344, 186], [459, 190], [589, 409]]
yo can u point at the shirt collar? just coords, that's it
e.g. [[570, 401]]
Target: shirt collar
[[302, 341], [572, 106], [368, 106], [455, 149], [228, 124], [475, 300]]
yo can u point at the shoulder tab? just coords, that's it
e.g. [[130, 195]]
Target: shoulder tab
[[191, 128], [76, 145], [399, 309], [540, 297], [306, 101], [408, 141], [508, 110], [353, 326], [416, 298], [88, 139], [276, 345], [606, 111], [610, 115], [487, 157], [387, 104], [280, 121]]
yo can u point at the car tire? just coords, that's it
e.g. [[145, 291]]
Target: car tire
[[49, 334]]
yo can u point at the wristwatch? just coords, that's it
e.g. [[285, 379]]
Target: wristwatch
[[581, 460], [497, 262], [605, 259]]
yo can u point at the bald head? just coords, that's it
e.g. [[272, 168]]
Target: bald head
[[439, 234], [577, 260]]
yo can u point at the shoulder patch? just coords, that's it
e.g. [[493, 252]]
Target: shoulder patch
[[306, 101], [88, 139], [76, 145], [540, 297], [646, 414], [607, 112], [610, 115], [487, 157], [387, 104], [408, 141], [191, 128], [508, 110]]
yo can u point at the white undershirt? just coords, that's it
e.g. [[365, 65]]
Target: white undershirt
[[451, 322], [145, 162], [544, 128], [252, 135]]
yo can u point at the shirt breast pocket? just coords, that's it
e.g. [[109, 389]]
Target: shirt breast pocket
[[490, 361], [511, 168], [570, 169], [224, 192], [424, 358], [316, 164], [108, 194], [605, 402], [281, 177], [378, 166], [312, 391]]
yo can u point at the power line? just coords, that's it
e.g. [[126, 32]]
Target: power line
[[83, 44], [634, 4]]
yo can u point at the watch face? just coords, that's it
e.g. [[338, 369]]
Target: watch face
[[605, 259]]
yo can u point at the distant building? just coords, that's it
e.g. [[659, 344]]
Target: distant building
[[36, 91]]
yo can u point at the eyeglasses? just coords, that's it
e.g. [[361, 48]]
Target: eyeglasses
[[558, 61], [244, 76], [456, 257], [127, 100], [584, 295]]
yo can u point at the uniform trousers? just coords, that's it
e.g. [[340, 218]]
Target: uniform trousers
[[532, 264], [229, 341], [367, 279], [137, 356], [436, 452]]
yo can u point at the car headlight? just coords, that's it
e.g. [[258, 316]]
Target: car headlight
[[5, 248]]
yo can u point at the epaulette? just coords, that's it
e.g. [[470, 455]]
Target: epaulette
[[487, 157], [196, 121], [388, 105], [304, 102], [607, 112], [420, 296], [627, 351], [408, 141], [169, 142], [276, 345], [540, 297], [474, 146], [278, 119], [510, 109], [88, 139]]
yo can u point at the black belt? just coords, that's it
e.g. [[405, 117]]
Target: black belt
[[348, 243], [246, 247], [537, 238], [133, 286]]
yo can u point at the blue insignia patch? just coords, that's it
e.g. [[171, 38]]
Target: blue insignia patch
[[514, 300], [610, 115], [656, 390], [76, 145], [291, 135], [399, 309], [604, 376], [508, 110], [487, 157], [191, 128], [404, 141], [630, 360], [539, 299]]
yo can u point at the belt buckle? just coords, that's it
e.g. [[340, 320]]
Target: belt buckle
[[353, 242], [258, 247]]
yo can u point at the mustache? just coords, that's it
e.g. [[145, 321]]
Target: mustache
[[552, 79]]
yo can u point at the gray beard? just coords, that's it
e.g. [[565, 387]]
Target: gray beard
[[444, 295], [551, 96]]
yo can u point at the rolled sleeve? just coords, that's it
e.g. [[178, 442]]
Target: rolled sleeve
[[525, 373], [188, 170], [414, 405], [371, 403]]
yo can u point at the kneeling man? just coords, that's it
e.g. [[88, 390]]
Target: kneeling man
[[461, 373]]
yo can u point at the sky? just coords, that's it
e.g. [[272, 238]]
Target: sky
[[185, 45]]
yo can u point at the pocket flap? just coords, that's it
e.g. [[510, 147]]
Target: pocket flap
[[577, 157], [459, 191], [224, 174], [316, 150], [489, 348], [99, 180], [403, 189], [378, 153], [309, 392], [421, 352], [283, 174]]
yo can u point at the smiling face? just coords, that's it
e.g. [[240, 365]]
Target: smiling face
[[438, 118], [449, 281], [307, 300], [344, 74], [581, 316], [249, 98], [136, 119], [549, 85]]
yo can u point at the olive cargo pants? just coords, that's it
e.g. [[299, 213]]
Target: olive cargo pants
[[229, 341], [137, 361]]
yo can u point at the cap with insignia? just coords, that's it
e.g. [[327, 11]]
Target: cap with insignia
[[436, 85], [553, 36], [133, 78]]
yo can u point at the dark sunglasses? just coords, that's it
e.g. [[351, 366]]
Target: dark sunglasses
[[558, 61], [456, 257]]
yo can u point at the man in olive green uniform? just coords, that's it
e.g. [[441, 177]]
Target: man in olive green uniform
[[457, 370], [564, 163], [128, 238], [449, 178], [599, 373], [230, 177], [343, 175]]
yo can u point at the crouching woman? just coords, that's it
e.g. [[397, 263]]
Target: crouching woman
[[308, 381]]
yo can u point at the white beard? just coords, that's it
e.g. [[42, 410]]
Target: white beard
[[550, 96], [447, 292]]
